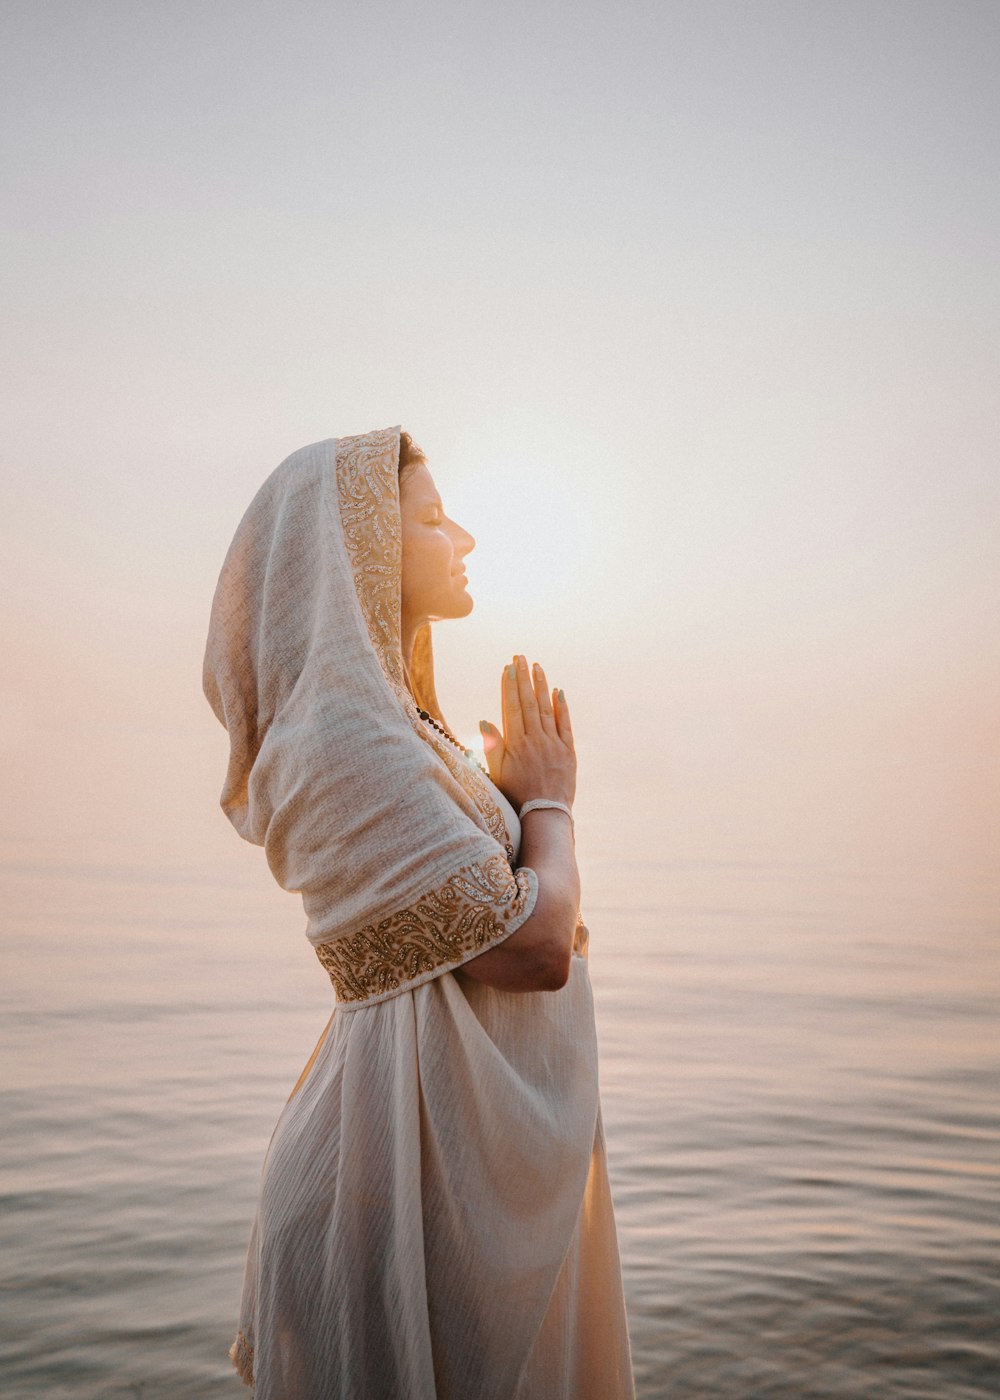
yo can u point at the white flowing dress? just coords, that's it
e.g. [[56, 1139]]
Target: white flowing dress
[[435, 1220]]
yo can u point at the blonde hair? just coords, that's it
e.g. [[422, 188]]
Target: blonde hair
[[410, 455]]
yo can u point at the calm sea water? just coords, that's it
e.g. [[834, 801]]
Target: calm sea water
[[800, 1065]]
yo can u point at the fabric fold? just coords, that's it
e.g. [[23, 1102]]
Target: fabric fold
[[457, 1126]]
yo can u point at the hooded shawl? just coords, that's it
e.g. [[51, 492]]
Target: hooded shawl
[[434, 1219], [397, 845]]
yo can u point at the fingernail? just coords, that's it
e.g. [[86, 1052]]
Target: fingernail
[[560, 694], [511, 672]]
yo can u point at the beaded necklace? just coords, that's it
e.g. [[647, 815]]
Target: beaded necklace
[[467, 753]]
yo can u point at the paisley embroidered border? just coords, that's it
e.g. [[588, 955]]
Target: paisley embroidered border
[[368, 487], [442, 929], [475, 788]]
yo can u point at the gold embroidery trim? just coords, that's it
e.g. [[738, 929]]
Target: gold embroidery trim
[[444, 927], [368, 492], [475, 787]]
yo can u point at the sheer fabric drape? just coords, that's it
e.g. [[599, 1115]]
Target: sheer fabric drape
[[435, 1218]]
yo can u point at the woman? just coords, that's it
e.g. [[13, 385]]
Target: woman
[[434, 1218]]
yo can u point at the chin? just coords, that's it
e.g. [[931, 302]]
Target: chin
[[463, 604], [453, 607]]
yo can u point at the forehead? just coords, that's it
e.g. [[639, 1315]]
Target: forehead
[[417, 488]]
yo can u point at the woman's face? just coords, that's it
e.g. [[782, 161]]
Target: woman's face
[[433, 582]]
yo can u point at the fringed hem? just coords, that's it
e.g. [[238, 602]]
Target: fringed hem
[[241, 1355]]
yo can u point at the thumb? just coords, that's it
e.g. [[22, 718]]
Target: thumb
[[493, 747]]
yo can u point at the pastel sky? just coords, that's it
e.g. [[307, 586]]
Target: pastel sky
[[694, 306]]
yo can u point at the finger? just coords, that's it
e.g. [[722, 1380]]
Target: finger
[[513, 720], [529, 705], [544, 700], [563, 721]]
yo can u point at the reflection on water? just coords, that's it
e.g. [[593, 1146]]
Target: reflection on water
[[799, 1068], [804, 1132]]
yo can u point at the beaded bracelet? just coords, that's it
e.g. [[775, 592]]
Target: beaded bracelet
[[544, 802]]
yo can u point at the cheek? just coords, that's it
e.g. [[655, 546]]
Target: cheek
[[427, 560], [439, 562]]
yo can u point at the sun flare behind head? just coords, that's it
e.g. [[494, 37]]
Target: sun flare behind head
[[539, 538]]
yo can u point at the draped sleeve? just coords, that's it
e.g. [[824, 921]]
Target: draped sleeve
[[473, 910]]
